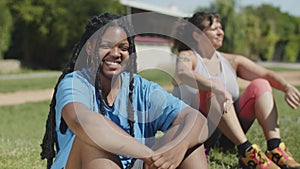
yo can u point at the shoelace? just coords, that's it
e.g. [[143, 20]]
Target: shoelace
[[285, 154], [258, 155]]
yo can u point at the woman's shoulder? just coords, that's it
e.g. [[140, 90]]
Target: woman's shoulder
[[230, 56], [186, 53], [142, 82], [234, 59], [77, 78]]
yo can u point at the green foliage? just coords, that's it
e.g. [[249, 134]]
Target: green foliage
[[47, 31], [275, 29], [292, 49], [44, 33], [265, 35], [5, 28], [253, 36]]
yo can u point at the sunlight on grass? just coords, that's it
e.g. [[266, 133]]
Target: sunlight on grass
[[21, 132], [157, 76], [13, 85]]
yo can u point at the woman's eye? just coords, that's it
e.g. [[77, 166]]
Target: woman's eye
[[124, 48], [213, 29], [105, 46]]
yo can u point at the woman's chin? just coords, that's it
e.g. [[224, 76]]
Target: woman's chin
[[111, 75]]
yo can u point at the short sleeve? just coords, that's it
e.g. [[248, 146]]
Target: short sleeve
[[73, 88]]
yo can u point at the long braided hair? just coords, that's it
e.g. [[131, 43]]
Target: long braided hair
[[50, 145]]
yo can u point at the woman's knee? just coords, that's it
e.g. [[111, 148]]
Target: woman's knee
[[90, 157], [261, 86]]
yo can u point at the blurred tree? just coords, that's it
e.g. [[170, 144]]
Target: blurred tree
[[292, 49], [253, 36], [276, 29], [5, 27], [46, 31]]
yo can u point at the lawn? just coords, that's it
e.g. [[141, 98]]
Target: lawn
[[22, 128], [289, 125], [28, 81], [21, 131]]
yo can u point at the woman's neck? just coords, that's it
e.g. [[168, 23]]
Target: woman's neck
[[213, 64], [206, 50], [211, 57], [110, 89]]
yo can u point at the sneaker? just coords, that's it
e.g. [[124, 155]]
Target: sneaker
[[282, 157], [256, 159]]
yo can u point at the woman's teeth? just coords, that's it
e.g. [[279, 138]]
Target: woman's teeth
[[111, 63]]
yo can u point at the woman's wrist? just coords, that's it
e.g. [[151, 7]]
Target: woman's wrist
[[287, 87]]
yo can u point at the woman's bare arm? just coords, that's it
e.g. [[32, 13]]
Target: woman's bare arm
[[98, 131], [248, 70]]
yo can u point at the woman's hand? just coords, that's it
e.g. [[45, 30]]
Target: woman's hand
[[219, 89], [169, 156], [292, 96]]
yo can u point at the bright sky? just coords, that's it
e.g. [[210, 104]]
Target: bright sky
[[188, 6]]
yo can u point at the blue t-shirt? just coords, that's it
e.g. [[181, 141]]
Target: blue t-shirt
[[154, 109]]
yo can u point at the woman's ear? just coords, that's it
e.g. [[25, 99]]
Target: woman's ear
[[88, 48], [196, 36]]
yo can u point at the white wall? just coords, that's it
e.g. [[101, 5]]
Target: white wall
[[155, 57]]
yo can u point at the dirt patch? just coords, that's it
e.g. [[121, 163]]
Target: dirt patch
[[293, 77], [25, 96], [40, 95]]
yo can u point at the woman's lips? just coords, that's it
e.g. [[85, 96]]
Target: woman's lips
[[112, 64]]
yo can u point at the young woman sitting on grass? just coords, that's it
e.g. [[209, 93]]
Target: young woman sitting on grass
[[103, 115]]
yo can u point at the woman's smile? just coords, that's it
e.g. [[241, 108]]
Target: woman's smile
[[113, 64]]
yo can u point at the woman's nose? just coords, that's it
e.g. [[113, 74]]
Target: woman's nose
[[115, 51], [220, 31]]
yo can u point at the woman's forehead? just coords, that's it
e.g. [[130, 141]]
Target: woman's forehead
[[114, 34]]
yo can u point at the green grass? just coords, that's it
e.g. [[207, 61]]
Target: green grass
[[13, 85], [289, 128], [22, 128], [21, 131], [28, 81], [158, 76]]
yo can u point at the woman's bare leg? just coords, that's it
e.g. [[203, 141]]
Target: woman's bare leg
[[229, 124], [267, 117], [87, 157]]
